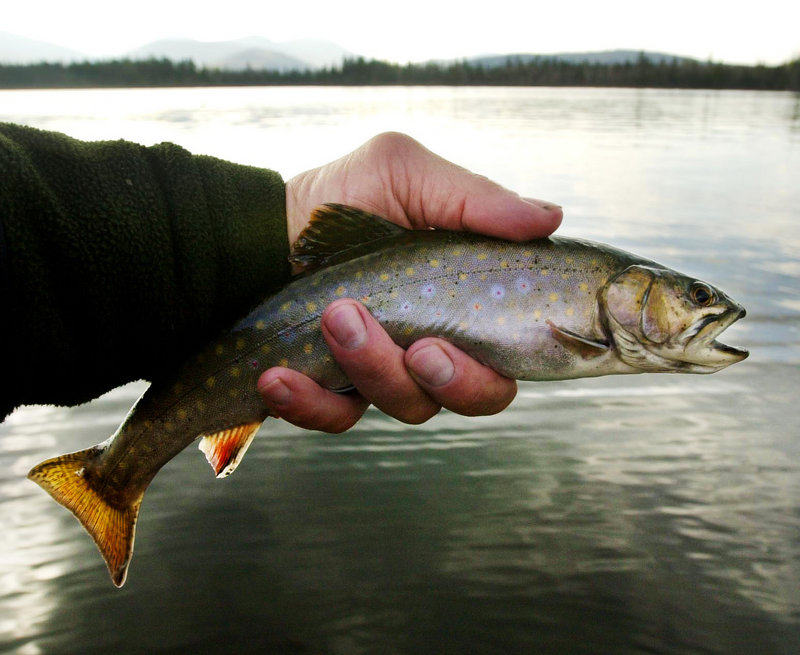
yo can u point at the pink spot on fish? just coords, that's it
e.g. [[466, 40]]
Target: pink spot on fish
[[498, 292]]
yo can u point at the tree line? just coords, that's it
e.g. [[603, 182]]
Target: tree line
[[542, 71]]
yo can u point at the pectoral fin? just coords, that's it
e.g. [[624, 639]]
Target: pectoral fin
[[584, 347], [226, 448]]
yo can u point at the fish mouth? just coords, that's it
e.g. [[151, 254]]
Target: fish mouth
[[711, 326]]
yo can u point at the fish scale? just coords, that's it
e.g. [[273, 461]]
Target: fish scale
[[549, 309]]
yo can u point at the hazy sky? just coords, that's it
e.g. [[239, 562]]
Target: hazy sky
[[767, 31]]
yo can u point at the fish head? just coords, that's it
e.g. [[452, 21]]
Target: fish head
[[661, 320]]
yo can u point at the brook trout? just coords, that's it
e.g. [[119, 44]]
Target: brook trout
[[548, 309]]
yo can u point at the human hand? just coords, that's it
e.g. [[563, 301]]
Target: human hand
[[394, 176]]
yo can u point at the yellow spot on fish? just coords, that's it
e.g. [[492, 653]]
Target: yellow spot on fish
[[327, 359], [527, 253], [393, 294], [266, 349], [456, 252], [583, 286], [569, 311], [462, 276], [260, 325], [537, 314], [218, 349], [340, 290], [434, 263], [239, 344], [359, 275], [148, 425], [169, 426], [569, 260], [463, 325], [311, 306], [236, 372], [501, 320], [210, 382], [365, 299], [545, 272], [553, 297], [284, 362], [201, 406], [233, 392], [285, 306], [182, 414], [564, 276], [308, 349], [593, 262], [484, 277], [504, 264], [409, 271], [482, 256], [384, 277], [408, 331]]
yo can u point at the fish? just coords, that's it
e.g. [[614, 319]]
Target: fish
[[548, 309]]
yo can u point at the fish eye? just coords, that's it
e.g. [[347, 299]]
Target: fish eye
[[702, 295]]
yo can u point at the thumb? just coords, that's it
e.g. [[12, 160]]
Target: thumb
[[444, 195]]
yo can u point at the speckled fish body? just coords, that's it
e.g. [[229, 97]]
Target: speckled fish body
[[544, 310]]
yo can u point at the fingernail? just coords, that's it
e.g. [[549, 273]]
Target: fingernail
[[276, 393], [346, 326], [432, 365], [543, 204]]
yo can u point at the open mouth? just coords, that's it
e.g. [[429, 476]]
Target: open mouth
[[713, 325]]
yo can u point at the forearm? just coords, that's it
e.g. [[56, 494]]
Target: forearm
[[121, 259]]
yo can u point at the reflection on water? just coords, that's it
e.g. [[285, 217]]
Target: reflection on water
[[636, 514]]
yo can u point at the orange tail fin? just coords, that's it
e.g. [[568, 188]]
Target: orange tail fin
[[111, 523]]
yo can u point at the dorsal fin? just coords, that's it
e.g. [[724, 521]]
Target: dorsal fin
[[337, 233]]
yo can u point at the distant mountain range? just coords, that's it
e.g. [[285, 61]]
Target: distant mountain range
[[254, 52], [22, 50], [259, 53]]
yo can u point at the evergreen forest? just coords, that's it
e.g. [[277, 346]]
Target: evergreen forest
[[514, 71]]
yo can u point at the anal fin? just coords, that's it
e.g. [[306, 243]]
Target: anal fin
[[225, 449]]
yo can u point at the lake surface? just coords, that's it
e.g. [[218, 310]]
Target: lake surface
[[637, 514]]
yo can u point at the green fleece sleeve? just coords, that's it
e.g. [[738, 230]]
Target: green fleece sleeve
[[118, 260]]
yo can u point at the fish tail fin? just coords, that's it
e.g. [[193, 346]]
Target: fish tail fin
[[109, 518]]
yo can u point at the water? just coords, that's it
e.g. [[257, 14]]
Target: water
[[643, 514]]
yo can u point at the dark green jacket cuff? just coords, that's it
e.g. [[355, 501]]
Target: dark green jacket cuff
[[118, 260]]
